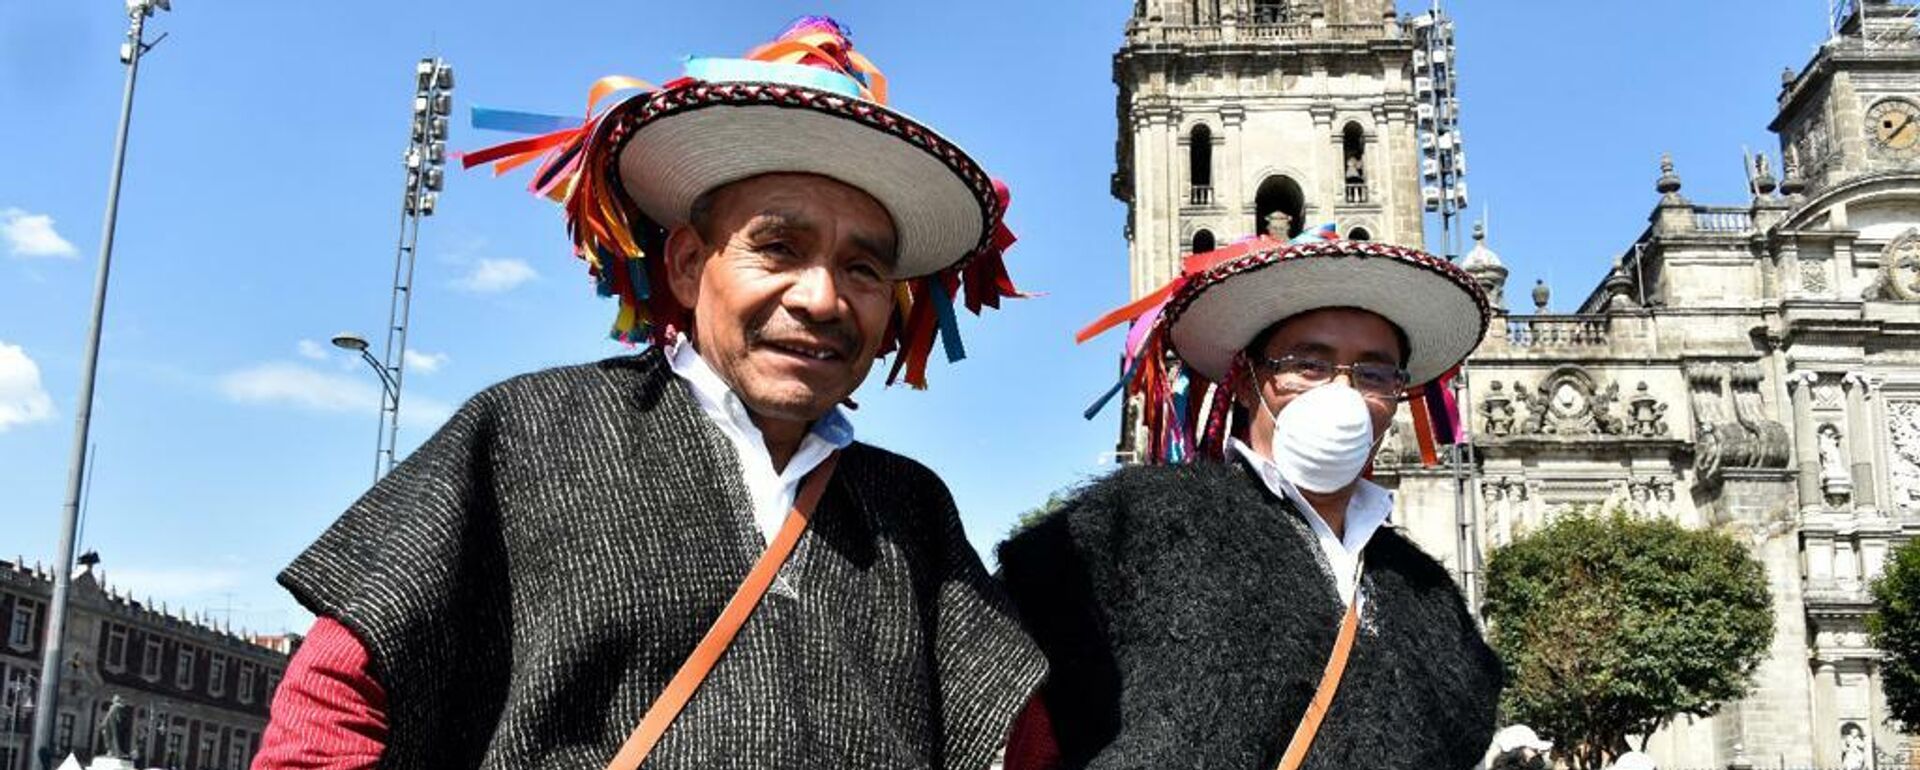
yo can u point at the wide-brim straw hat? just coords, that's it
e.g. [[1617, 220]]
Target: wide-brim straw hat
[[1441, 308]]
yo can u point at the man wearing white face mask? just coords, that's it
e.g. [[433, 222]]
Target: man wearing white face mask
[[1241, 601]]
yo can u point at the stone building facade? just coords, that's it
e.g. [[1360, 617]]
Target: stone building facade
[[197, 695], [1751, 367]]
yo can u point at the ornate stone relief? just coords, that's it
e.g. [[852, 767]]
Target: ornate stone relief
[[1731, 429], [1497, 414], [1899, 277], [1813, 276], [1903, 431], [1648, 417], [1569, 403]]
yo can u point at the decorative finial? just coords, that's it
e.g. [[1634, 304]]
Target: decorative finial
[[1479, 231], [1541, 294], [1787, 77], [1763, 181], [1669, 183], [1792, 185]]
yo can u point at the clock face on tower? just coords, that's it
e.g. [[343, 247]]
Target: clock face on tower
[[1893, 125]]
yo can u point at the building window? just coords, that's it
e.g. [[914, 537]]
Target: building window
[[1279, 201], [237, 751], [20, 631], [206, 746], [66, 733], [1359, 234], [246, 683], [150, 661], [273, 684], [175, 740], [217, 675], [1269, 11], [183, 668], [1200, 164], [1203, 242], [116, 647]]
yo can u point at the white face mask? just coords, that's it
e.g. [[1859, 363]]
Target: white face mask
[[1324, 438]]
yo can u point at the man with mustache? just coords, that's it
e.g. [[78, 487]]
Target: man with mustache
[[1242, 601], [684, 558]]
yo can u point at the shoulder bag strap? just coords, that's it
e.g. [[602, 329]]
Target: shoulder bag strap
[[665, 708], [1329, 684]]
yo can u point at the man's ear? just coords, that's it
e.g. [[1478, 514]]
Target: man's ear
[[686, 258]]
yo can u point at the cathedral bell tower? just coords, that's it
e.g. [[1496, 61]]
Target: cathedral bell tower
[[1244, 117]]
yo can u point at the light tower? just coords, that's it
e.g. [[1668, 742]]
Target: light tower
[[425, 161]]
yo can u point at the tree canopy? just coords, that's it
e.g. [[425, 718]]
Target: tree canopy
[[1611, 625], [1895, 627]]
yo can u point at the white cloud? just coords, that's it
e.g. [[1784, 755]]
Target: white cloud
[[32, 235], [312, 351], [494, 276], [303, 387], [426, 363], [22, 399]]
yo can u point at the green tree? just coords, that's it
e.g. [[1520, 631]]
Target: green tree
[[1034, 515], [1895, 627], [1611, 625]]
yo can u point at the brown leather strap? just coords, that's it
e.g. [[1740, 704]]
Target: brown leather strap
[[665, 708], [1323, 695]]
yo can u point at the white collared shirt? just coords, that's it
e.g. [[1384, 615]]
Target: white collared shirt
[[772, 491], [1367, 511]]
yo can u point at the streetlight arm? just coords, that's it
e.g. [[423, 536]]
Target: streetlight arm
[[386, 380]]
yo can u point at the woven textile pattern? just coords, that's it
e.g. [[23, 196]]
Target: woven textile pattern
[[1188, 614], [531, 577]]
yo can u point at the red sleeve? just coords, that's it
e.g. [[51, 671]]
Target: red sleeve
[[1031, 746], [329, 713]]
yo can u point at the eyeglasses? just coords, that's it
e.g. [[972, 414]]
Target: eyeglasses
[[1299, 373]]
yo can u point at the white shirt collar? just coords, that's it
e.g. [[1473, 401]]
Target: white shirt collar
[[1368, 510], [772, 491]]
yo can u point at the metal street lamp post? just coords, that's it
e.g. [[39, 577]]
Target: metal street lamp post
[[358, 344], [55, 639]]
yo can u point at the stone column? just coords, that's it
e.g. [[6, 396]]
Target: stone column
[[1230, 185], [1860, 433], [1826, 692], [1170, 161], [1806, 451]]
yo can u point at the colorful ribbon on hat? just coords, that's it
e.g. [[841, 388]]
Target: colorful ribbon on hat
[[1175, 399], [578, 171]]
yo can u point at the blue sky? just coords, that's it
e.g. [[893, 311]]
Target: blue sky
[[260, 208]]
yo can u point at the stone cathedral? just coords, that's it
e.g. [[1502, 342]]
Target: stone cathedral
[[1753, 366]]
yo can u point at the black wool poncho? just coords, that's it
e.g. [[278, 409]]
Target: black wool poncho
[[1187, 615], [528, 581]]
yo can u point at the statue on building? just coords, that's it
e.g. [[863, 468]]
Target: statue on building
[[1853, 747], [1605, 422], [1280, 225], [1649, 416], [1537, 407], [1356, 170], [1496, 411], [115, 731], [1835, 478]]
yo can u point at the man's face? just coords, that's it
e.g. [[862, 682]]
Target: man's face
[[791, 287], [1341, 336]]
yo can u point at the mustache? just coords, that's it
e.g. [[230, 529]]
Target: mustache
[[838, 336]]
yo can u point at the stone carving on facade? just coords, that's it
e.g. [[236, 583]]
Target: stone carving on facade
[[1569, 403], [1497, 414], [1903, 432], [1835, 479], [1730, 426], [1650, 494], [1648, 415], [1899, 276], [1813, 276], [1853, 746]]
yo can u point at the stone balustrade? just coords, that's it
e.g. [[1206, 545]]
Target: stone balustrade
[[1559, 331], [1722, 219]]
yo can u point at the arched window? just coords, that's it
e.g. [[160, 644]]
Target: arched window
[[1353, 148], [1200, 164], [1279, 197], [1203, 242], [1359, 234]]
